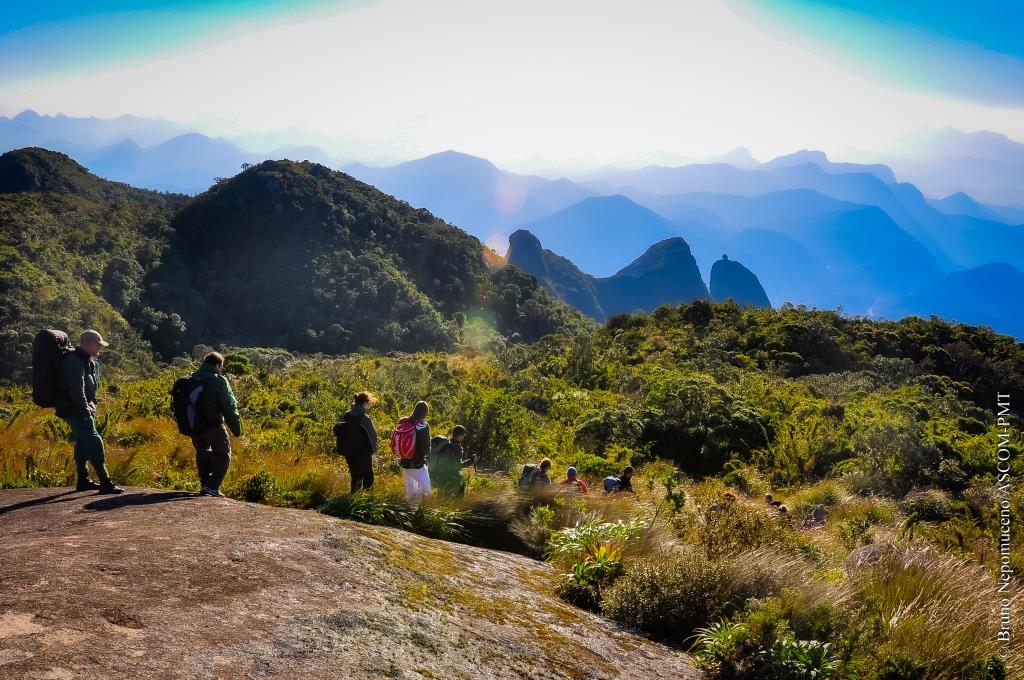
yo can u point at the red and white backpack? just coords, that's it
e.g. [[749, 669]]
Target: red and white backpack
[[403, 439]]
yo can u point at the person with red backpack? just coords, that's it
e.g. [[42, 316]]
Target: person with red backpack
[[410, 443]]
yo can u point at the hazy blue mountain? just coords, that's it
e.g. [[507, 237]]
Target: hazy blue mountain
[[984, 295], [787, 269], [1011, 214], [471, 192], [144, 152], [857, 258], [820, 159], [603, 233], [557, 274], [973, 242], [665, 274], [730, 280], [68, 133], [962, 204], [903, 202], [763, 211], [868, 256], [784, 172], [185, 164], [987, 165]]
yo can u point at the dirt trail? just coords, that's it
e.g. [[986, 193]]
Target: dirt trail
[[158, 584]]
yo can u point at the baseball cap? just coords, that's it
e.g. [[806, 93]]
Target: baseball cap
[[93, 336]]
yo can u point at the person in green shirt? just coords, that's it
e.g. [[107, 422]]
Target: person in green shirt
[[217, 411], [447, 458]]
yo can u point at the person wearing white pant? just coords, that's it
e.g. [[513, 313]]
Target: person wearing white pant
[[414, 470], [417, 484]]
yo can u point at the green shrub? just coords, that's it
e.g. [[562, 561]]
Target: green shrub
[[438, 522], [930, 505], [371, 507], [854, 532], [237, 364], [261, 487], [671, 597]]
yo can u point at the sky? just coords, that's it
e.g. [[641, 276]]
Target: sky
[[528, 84]]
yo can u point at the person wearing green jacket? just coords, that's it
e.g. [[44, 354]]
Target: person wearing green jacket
[[79, 376], [217, 411], [447, 458]]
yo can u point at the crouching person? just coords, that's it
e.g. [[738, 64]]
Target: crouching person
[[217, 411]]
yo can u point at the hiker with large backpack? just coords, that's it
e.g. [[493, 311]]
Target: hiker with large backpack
[[410, 443], [66, 378], [203, 404], [447, 458], [356, 439], [535, 475]]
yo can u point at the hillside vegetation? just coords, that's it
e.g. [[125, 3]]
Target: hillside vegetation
[[285, 254], [891, 427]]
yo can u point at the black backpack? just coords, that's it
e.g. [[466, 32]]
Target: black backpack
[[350, 437], [438, 443], [185, 396], [48, 348]]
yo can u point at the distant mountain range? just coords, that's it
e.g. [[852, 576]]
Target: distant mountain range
[[665, 274], [471, 192], [814, 231], [143, 152], [986, 165]]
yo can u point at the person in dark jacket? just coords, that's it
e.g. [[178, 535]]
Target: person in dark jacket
[[357, 440], [79, 377], [415, 472], [216, 408], [447, 458], [626, 480]]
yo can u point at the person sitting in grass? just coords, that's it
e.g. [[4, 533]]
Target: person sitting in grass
[[447, 458], [573, 482]]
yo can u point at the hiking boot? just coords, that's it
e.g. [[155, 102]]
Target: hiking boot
[[86, 485], [110, 488], [205, 491], [215, 492]]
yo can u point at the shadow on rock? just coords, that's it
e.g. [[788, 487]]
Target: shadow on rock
[[114, 502], [44, 500]]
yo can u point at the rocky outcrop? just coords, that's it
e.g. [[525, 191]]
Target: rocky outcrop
[[731, 280], [164, 584]]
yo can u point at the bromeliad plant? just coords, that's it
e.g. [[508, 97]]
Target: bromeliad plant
[[573, 545], [583, 583]]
